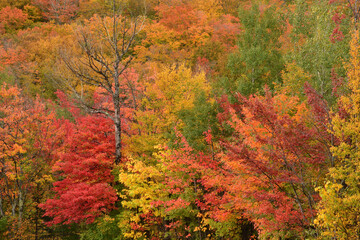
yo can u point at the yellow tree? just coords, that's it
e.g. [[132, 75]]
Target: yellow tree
[[171, 91], [339, 211], [144, 184]]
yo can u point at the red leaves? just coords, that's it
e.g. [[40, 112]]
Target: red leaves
[[337, 35], [337, 18], [275, 157], [317, 104], [194, 181], [89, 150], [336, 82], [86, 163], [79, 201]]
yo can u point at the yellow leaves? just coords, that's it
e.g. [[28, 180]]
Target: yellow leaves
[[133, 235], [172, 90], [213, 8], [45, 179], [143, 185], [340, 204], [353, 69], [204, 226], [293, 78], [179, 31], [352, 102], [16, 149], [175, 89], [337, 214]]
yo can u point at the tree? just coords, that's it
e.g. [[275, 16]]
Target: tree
[[198, 203], [275, 155], [182, 195], [11, 56], [352, 5], [107, 44], [315, 49], [339, 208], [257, 60], [28, 138], [12, 19], [14, 3], [143, 187], [170, 94], [174, 37], [61, 11], [83, 171]]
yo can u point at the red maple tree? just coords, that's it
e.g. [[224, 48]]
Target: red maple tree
[[83, 169]]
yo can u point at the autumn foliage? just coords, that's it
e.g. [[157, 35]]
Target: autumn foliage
[[83, 168], [28, 140], [276, 158], [59, 10], [12, 19], [179, 119], [339, 205]]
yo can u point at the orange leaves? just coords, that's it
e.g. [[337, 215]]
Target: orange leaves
[[225, 30], [275, 158], [11, 56], [28, 137], [23, 125], [12, 119], [183, 29], [179, 18], [12, 19], [197, 190]]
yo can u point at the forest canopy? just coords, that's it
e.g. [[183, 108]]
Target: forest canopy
[[179, 119]]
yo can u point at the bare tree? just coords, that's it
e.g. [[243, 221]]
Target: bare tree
[[106, 56]]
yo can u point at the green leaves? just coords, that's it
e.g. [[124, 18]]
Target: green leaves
[[258, 60]]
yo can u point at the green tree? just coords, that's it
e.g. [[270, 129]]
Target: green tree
[[258, 60], [315, 48], [168, 99]]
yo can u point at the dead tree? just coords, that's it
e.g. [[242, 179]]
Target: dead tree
[[106, 57]]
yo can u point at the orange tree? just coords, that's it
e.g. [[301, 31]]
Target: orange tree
[[28, 138], [275, 156]]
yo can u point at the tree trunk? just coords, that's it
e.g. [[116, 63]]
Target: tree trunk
[[21, 207], [118, 144], [1, 208]]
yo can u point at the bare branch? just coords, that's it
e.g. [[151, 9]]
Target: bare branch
[[104, 63]]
